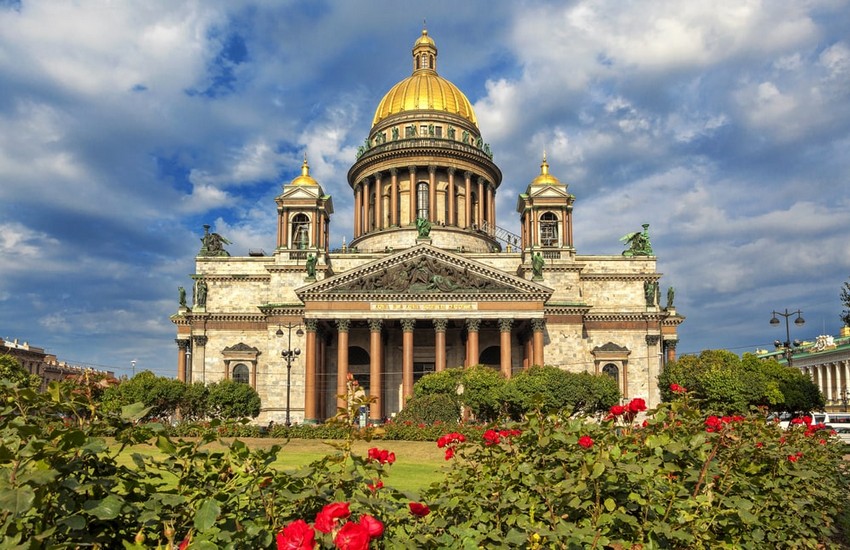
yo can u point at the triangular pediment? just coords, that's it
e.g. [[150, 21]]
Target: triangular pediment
[[299, 192], [548, 191], [424, 273]]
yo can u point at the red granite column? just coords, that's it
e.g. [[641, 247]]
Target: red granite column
[[505, 341], [310, 400], [375, 367], [538, 325], [472, 326], [407, 360], [342, 326], [440, 326]]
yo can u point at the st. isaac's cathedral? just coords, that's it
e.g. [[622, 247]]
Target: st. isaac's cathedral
[[428, 281]]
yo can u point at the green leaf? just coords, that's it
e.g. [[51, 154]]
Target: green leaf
[[165, 445], [17, 500], [134, 412], [206, 515], [107, 508], [610, 504]]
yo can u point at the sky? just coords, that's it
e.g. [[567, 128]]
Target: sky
[[127, 126]]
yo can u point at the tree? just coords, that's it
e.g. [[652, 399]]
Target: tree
[[732, 384], [233, 400], [845, 299], [478, 388], [11, 370], [160, 393], [551, 390], [194, 404]]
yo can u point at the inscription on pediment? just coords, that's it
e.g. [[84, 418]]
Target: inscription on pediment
[[423, 275]]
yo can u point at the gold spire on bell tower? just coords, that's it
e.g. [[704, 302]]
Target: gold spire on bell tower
[[545, 177]]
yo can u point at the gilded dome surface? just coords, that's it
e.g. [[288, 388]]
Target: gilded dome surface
[[425, 90]]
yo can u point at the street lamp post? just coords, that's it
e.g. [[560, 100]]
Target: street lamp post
[[289, 354], [845, 395], [133, 364], [799, 321]]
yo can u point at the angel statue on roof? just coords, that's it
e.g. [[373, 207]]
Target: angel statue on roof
[[212, 244], [638, 243]]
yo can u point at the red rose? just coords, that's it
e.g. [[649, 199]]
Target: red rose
[[375, 486], [418, 509], [326, 520], [352, 536], [637, 405], [617, 410], [450, 452], [793, 458], [296, 536], [491, 437], [676, 388], [373, 526], [585, 441]]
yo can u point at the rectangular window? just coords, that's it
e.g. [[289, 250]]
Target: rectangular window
[[439, 130]]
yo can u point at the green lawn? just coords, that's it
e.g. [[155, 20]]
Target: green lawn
[[417, 465]]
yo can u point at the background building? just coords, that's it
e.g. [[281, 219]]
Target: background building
[[45, 365], [428, 281]]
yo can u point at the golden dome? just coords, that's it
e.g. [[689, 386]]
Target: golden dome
[[545, 177], [304, 178], [425, 90]]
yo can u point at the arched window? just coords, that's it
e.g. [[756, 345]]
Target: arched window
[[300, 232], [611, 370], [491, 357], [549, 229], [422, 206], [474, 209], [358, 366], [240, 374]]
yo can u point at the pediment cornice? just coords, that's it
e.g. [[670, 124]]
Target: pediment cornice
[[424, 273]]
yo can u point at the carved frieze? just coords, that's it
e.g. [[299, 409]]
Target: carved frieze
[[422, 275]]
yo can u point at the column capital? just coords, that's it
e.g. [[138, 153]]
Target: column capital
[[408, 324], [467, 174], [412, 169], [182, 343], [451, 170], [375, 325], [472, 325], [440, 325], [199, 340], [393, 171], [671, 344], [505, 325], [481, 180], [342, 325], [377, 175], [652, 339], [311, 324], [432, 169], [538, 325]]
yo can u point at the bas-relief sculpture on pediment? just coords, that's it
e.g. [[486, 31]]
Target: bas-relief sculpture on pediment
[[419, 275]]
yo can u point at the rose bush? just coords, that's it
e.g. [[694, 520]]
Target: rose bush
[[682, 478]]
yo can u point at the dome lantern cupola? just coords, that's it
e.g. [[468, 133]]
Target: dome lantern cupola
[[424, 54]]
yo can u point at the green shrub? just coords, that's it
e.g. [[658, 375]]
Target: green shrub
[[429, 409], [551, 390]]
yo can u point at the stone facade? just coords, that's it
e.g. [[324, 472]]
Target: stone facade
[[429, 280]]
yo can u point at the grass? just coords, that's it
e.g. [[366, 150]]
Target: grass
[[418, 463]]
